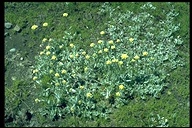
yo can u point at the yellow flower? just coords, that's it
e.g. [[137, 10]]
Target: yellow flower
[[71, 56], [63, 71], [89, 95], [145, 53], [50, 71], [131, 39], [65, 14], [54, 57], [94, 54], [152, 58], [48, 53], [64, 81], [120, 62], [118, 94], [113, 47], [102, 32], [56, 84], [110, 42], [41, 53], [114, 60], [48, 47], [136, 57], [87, 56], [92, 45], [34, 27], [76, 54], [79, 101], [61, 46], [34, 78], [124, 56], [45, 24], [85, 69], [83, 53], [37, 100], [71, 45], [108, 62], [57, 74], [35, 71], [118, 40], [121, 87], [106, 50], [132, 60], [100, 41], [50, 40], [81, 87], [100, 51], [44, 40]]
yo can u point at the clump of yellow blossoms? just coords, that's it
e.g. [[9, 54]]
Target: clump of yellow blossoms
[[71, 45], [145, 53], [65, 14], [117, 94], [34, 27], [92, 45], [102, 32], [106, 50], [131, 39], [136, 57], [57, 74], [124, 56], [108, 62], [121, 87], [89, 95], [45, 24]]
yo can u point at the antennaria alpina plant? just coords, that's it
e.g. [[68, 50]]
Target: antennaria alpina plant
[[132, 57]]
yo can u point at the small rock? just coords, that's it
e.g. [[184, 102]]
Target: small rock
[[8, 25], [17, 28], [21, 58], [12, 50], [6, 34]]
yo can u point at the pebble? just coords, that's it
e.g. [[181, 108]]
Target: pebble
[[12, 50], [8, 25], [21, 58]]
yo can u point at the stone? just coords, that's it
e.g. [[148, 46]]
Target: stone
[[8, 25], [12, 50], [6, 34], [17, 28]]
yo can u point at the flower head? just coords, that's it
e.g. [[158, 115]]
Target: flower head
[[120, 62], [45, 24], [48, 47], [102, 32], [145, 53], [92, 45], [81, 87], [100, 51], [124, 56], [64, 81], [118, 40], [136, 57], [57, 74], [63, 71], [56, 84], [117, 94], [87, 56], [106, 50], [34, 78], [131, 39], [65, 14], [110, 42], [108, 62], [53, 57], [121, 87], [71, 45], [35, 71], [44, 40], [50, 71], [83, 53], [48, 53], [113, 47], [85, 69], [34, 27], [114, 60], [89, 95], [100, 41], [37, 100]]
